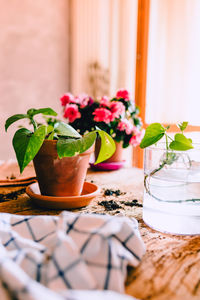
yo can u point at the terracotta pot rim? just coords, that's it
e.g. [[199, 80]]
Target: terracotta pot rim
[[89, 151]]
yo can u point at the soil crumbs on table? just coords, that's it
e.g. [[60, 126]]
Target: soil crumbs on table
[[109, 192], [12, 195], [111, 205], [132, 203]]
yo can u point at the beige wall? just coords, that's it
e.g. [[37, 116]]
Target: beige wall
[[33, 59]]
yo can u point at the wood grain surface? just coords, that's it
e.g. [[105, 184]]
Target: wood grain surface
[[170, 268]]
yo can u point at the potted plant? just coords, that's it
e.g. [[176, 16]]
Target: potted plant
[[59, 153], [171, 180], [117, 116]]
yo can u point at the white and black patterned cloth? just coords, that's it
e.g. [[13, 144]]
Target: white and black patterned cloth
[[47, 257]]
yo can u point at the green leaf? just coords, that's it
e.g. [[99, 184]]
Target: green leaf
[[87, 141], [45, 111], [50, 132], [153, 134], [72, 147], [64, 129], [49, 129], [182, 126], [107, 146], [51, 136], [181, 143], [137, 110], [13, 119], [68, 147], [27, 145]]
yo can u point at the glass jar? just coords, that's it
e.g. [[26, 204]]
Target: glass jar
[[172, 190]]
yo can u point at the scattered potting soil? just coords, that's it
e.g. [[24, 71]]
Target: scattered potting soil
[[109, 192], [12, 195], [132, 203], [11, 177], [97, 213], [110, 205]]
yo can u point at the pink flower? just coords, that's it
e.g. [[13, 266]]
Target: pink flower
[[117, 109], [71, 112], [67, 98], [80, 98], [87, 101], [126, 126], [137, 137], [123, 94], [83, 100], [105, 101], [102, 115]]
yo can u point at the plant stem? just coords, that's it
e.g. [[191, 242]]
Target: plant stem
[[169, 137], [166, 138], [33, 123], [151, 174]]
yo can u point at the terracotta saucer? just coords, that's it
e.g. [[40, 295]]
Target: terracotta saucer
[[108, 166], [10, 175], [90, 190]]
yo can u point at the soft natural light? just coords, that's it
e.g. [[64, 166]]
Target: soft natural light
[[173, 92]]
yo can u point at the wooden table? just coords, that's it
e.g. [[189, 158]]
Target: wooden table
[[170, 268]]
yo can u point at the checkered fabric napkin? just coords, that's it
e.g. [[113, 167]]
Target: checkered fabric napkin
[[46, 257]]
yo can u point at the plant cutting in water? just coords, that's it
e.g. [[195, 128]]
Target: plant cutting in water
[[180, 142], [154, 133], [27, 143], [171, 201]]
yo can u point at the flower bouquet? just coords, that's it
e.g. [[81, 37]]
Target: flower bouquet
[[117, 116]]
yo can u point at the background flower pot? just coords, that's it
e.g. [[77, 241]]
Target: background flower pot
[[116, 157], [60, 177]]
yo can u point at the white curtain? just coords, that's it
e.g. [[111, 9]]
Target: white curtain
[[173, 79], [103, 31]]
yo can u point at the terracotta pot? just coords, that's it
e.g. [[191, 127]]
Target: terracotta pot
[[116, 157], [60, 177]]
